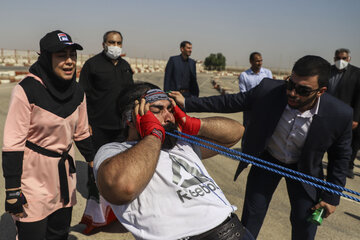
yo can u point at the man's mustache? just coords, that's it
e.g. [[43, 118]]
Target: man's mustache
[[170, 127], [291, 97]]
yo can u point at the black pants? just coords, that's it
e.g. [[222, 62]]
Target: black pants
[[102, 136], [54, 227], [261, 184], [355, 145]]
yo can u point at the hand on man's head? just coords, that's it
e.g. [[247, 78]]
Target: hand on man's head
[[178, 97], [141, 107]]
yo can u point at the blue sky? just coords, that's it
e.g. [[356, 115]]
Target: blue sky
[[282, 31]]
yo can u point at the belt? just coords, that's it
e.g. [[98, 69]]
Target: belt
[[231, 228], [64, 188], [268, 157]]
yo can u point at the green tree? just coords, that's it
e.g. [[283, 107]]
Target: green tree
[[215, 62]]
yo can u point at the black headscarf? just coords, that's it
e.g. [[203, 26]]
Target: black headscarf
[[60, 88]]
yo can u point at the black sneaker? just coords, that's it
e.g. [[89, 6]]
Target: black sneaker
[[350, 173]]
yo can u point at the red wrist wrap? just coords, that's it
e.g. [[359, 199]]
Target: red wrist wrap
[[149, 124], [187, 124]]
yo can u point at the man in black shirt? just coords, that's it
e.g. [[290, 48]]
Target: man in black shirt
[[344, 84], [103, 77]]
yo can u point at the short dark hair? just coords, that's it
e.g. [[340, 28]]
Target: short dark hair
[[183, 43], [341, 50], [127, 97], [252, 55], [112, 31], [311, 66]]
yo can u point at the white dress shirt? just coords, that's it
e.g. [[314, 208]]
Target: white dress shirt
[[289, 136]]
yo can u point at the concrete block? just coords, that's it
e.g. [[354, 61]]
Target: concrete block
[[19, 78], [5, 81]]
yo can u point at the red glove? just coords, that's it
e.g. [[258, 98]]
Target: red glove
[[149, 124], [187, 124]]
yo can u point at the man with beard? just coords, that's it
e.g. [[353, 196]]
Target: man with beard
[[156, 184], [293, 123]]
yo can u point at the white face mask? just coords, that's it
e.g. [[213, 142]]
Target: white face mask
[[341, 64], [113, 52]]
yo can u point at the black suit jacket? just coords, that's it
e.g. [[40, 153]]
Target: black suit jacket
[[174, 72], [348, 89], [330, 130]]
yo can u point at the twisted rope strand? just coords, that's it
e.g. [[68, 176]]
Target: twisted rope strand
[[274, 165], [268, 168]]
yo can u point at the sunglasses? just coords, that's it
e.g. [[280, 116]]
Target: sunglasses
[[339, 58], [300, 90]]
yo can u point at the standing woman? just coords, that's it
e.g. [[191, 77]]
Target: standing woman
[[47, 114]]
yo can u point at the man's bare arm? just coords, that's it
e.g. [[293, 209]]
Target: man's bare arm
[[220, 130], [123, 177]]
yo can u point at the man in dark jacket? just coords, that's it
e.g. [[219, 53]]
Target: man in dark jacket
[[293, 123], [103, 77], [344, 84], [180, 72]]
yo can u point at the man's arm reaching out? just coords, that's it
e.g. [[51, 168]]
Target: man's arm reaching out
[[219, 130]]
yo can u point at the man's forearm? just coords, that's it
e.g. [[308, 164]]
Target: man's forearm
[[228, 103], [123, 177], [222, 130]]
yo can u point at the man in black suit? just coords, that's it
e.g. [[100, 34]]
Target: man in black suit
[[344, 84], [180, 72], [293, 123]]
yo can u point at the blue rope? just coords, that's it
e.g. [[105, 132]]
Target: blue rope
[[268, 168], [274, 165]]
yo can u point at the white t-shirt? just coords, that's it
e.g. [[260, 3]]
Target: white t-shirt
[[180, 200]]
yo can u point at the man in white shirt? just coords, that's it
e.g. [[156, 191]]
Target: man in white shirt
[[252, 77], [293, 124], [157, 185]]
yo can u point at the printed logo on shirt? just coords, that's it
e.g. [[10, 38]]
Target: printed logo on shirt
[[63, 37], [197, 186]]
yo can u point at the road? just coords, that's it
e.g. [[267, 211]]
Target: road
[[343, 224]]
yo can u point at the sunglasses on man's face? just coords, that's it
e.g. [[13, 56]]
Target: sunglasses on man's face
[[339, 58], [301, 90]]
